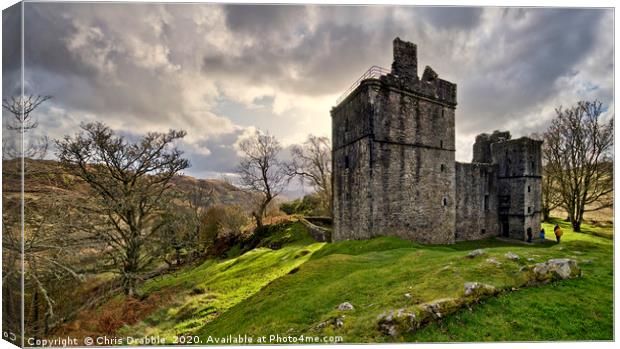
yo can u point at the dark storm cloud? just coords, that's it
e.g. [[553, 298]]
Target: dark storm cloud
[[310, 58], [451, 17], [264, 19], [546, 46], [174, 66], [11, 50]]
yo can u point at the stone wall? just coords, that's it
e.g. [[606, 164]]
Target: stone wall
[[476, 201], [482, 146], [413, 176], [351, 135], [519, 185]]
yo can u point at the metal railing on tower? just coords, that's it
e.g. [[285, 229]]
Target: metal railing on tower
[[373, 72]]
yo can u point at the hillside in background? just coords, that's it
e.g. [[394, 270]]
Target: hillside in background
[[45, 177]]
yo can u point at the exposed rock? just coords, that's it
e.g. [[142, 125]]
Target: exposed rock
[[555, 269], [398, 321], [512, 256], [586, 261], [530, 259], [493, 261], [346, 306], [440, 307], [319, 234], [475, 253], [339, 322], [578, 252], [408, 295], [477, 290]]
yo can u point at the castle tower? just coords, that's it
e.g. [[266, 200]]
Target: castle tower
[[519, 178], [393, 155]]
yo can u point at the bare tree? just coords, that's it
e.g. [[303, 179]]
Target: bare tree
[[199, 199], [578, 154], [56, 255], [261, 171], [21, 108], [51, 235], [178, 233], [550, 194], [312, 163], [130, 182]]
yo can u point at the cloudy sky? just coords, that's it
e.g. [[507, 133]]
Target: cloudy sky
[[219, 72]]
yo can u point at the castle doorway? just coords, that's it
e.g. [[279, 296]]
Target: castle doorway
[[505, 228]]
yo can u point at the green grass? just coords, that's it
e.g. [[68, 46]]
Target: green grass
[[579, 309], [374, 275], [215, 286], [256, 294]]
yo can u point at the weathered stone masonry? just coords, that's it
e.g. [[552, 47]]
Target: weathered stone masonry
[[394, 171]]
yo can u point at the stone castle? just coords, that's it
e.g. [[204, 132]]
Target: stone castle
[[394, 168]]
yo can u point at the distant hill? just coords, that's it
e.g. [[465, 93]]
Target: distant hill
[[48, 177]]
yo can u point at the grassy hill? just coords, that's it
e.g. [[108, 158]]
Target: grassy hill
[[295, 291]]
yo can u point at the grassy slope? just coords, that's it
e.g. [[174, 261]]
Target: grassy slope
[[570, 310], [202, 293], [374, 276]]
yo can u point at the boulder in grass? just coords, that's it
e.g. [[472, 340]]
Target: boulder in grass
[[476, 253], [564, 268], [555, 269], [512, 256], [493, 261], [395, 322], [478, 290], [346, 306], [437, 308]]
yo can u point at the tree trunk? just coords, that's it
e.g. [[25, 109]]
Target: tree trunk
[[576, 225], [545, 212], [258, 217], [130, 269], [35, 314]]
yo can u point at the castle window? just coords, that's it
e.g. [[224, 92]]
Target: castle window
[[528, 189], [529, 209], [440, 144], [486, 202], [346, 162], [443, 167], [445, 201], [443, 112], [483, 231], [532, 165]]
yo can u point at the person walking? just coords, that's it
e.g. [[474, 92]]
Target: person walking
[[541, 234], [558, 232], [529, 235]]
